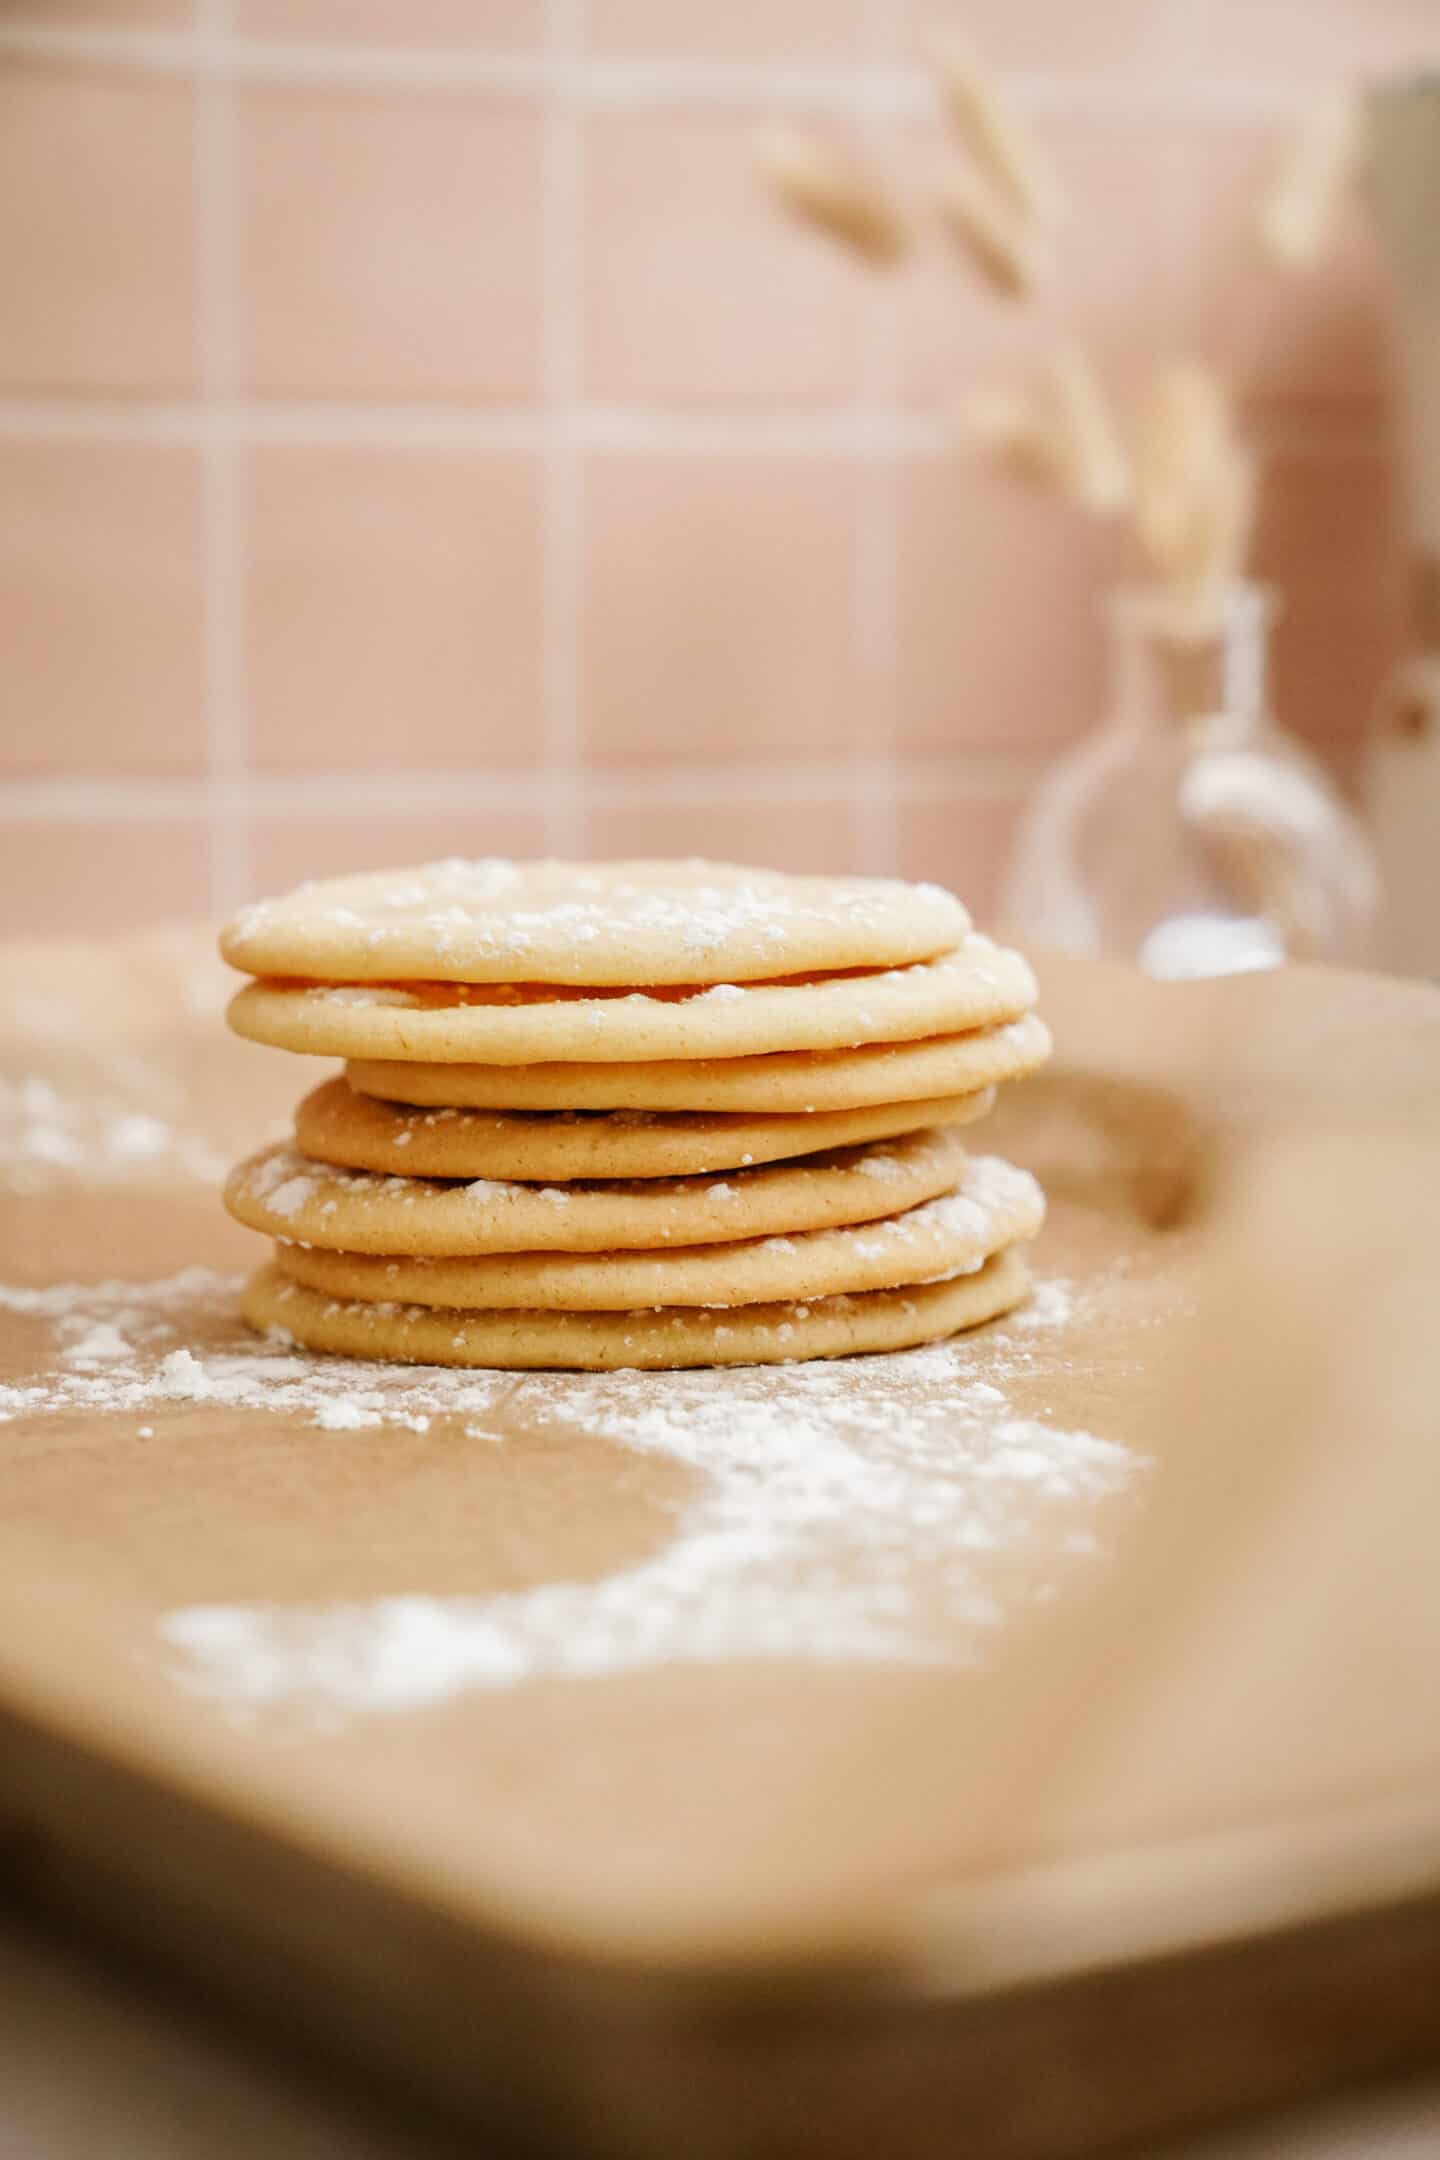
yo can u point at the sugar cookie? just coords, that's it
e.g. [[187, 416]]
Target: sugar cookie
[[335, 1125], [993, 1207], [786, 1080], [288, 1196], [527, 1340], [621, 922], [973, 986]]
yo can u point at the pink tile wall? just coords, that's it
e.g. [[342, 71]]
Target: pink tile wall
[[418, 433]]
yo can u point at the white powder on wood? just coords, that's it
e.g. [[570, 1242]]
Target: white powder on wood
[[49, 1136], [859, 1511]]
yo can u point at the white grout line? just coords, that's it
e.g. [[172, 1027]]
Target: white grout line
[[853, 429], [285, 424], [1348, 428], [64, 800], [198, 53], [600, 80], [562, 480], [226, 730]]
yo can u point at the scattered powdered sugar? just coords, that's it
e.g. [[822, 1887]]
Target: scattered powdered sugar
[[887, 1509], [1051, 1304], [486, 1190], [879, 1165], [500, 908], [136, 1346], [49, 1136], [97, 1346], [288, 1197]]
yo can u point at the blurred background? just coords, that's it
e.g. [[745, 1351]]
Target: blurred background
[[419, 433]]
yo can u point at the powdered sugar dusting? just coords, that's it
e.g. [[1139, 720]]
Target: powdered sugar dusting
[[506, 911], [135, 1347], [49, 1136], [1051, 1305], [289, 1197], [883, 1510]]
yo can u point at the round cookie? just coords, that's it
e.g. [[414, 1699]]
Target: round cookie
[[621, 922], [993, 1207], [786, 1080], [527, 1340], [974, 986], [288, 1196], [335, 1125]]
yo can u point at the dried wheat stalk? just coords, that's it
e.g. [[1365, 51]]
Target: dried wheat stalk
[[1059, 435], [1007, 249], [1183, 426], [1091, 463], [1298, 213], [827, 190], [1194, 482], [1000, 146], [1008, 424]]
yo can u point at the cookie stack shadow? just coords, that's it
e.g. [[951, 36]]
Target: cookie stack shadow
[[643, 1114]]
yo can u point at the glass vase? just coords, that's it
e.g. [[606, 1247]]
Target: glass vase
[[1189, 833]]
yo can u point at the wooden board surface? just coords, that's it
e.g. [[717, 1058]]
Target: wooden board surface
[[570, 1685]]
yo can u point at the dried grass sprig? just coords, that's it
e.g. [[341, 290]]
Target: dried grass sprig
[[1181, 432], [1195, 482], [828, 190], [1298, 214], [1000, 146], [1091, 459], [1009, 251], [1008, 424], [1058, 435]]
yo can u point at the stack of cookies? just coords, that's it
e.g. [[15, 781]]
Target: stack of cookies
[[632, 1114]]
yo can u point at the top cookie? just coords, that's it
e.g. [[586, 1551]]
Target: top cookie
[[617, 923]]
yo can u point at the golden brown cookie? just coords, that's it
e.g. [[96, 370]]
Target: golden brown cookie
[[335, 1125], [786, 1080], [620, 922], [528, 1340], [993, 1207], [975, 985], [287, 1195]]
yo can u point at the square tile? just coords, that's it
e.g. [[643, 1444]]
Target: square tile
[[91, 878], [960, 840], [393, 609], [816, 837], [97, 231], [101, 600], [499, 26], [389, 243], [697, 288], [1330, 541], [718, 609], [1313, 41], [740, 30], [287, 850], [1000, 593]]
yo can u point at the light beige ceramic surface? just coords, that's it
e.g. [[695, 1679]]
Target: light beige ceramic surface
[[1091, 1739]]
